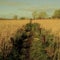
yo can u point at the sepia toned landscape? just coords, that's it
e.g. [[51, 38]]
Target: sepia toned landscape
[[29, 29], [8, 29]]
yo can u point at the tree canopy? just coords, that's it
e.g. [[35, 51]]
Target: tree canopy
[[56, 14]]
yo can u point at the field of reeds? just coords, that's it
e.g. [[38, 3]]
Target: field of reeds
[[9, 27]]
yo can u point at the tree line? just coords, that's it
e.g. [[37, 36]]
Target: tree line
[[44, 15], [37, 15]]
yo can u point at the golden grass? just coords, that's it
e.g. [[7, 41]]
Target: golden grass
[[8, 27]]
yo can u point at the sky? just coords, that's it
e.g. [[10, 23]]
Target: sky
[[24, 8]]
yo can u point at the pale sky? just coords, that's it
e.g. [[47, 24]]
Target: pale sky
[[9, 8]]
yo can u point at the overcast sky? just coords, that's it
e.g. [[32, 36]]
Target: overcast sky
[[9, 8]]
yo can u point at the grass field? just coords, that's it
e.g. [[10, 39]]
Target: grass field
[[9, 27]]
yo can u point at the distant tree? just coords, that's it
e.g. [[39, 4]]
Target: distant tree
[[15, 17], [42, 15], [56, 14], [39, 15], [34, 14], [22, 18]]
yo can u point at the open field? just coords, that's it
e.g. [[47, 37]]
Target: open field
[[8, 28]]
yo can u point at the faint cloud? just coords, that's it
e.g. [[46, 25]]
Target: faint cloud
[[12, 3], [32, 9]]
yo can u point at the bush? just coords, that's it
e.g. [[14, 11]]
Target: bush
[[32, 43]]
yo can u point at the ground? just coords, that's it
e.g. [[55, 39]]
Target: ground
[[9, 27]]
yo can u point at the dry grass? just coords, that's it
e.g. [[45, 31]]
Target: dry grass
[[8, 27]]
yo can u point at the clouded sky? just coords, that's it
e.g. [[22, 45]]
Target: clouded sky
[[9, 8]]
